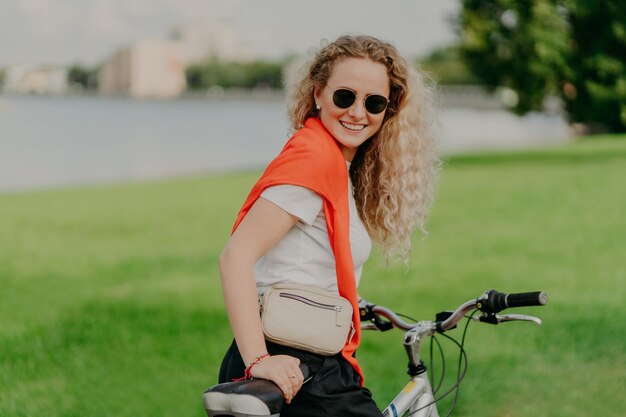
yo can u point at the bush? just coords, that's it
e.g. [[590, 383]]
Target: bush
[[234, 74]]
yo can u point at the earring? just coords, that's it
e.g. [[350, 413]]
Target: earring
[[318, 107]]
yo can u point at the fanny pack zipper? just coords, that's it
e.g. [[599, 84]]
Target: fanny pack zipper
[[314, 303]]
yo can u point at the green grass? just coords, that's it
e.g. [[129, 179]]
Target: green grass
[[110, 301]]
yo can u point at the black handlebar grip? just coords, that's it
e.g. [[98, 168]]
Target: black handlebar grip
[[527, 299], [497, 301]]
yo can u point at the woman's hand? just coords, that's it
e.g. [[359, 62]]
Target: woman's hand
[[284, 371]]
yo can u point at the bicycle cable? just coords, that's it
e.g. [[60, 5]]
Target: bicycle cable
[[431, 365], [460, 374], [405, 316]]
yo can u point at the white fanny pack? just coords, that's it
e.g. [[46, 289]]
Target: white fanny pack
[[306, 317]]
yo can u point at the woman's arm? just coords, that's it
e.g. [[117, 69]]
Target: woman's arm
[[263, 227]]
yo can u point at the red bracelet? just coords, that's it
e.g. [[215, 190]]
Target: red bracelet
[[247, 373]]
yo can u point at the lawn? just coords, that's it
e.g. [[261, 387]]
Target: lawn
[[110, 300]]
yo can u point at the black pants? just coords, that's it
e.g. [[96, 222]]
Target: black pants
[[334, 390]]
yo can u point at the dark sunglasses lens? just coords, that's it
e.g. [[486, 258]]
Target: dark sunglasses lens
[[343, 98], [375, 104]]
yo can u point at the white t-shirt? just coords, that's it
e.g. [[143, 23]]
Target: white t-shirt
[[304, 255]]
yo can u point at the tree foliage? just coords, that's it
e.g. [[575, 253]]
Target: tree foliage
[[448, 66], [234, 74], [599, 61], [82, 77], [573, 49]]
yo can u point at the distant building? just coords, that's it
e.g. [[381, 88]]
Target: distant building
[[39, 79], [149, 68], [201, 40]]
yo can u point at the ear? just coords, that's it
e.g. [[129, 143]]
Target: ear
[[317, 94]]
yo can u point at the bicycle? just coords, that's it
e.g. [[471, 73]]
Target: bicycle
[[262, 398]]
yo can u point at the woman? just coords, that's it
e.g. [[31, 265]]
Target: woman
[[360, 165]]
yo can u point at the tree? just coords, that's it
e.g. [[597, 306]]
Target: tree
[[596, 89], [449, 66], [85, 78], [573, 49]]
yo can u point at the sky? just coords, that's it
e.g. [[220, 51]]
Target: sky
[[64, 32]]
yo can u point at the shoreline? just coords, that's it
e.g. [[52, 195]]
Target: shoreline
[[213, 94], [557, 153], [451, 96]]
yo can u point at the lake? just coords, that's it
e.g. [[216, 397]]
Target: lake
[[49, 141]]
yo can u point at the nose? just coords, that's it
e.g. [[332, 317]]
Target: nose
[[357, 110]]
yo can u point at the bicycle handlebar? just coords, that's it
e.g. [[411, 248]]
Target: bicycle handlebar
[[490, 303]]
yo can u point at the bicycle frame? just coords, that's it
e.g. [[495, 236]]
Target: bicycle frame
[[416, 395]]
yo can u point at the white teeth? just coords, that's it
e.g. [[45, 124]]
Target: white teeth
[[351, 126]]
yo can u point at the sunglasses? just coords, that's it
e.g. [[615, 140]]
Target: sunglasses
[[374, 103]]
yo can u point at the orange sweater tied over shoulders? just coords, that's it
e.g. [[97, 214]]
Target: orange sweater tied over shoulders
[[312, 159]]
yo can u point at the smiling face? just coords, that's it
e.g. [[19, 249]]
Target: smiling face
[[354, 125]]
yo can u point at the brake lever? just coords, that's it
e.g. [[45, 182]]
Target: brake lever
[[366, 311], [497, 318], [519, 317]]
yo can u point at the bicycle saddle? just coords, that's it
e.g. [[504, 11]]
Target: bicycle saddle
[[250, 398]]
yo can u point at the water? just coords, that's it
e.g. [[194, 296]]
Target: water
[[57, 141]]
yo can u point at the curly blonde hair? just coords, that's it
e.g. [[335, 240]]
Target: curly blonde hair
[[394, 171]]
